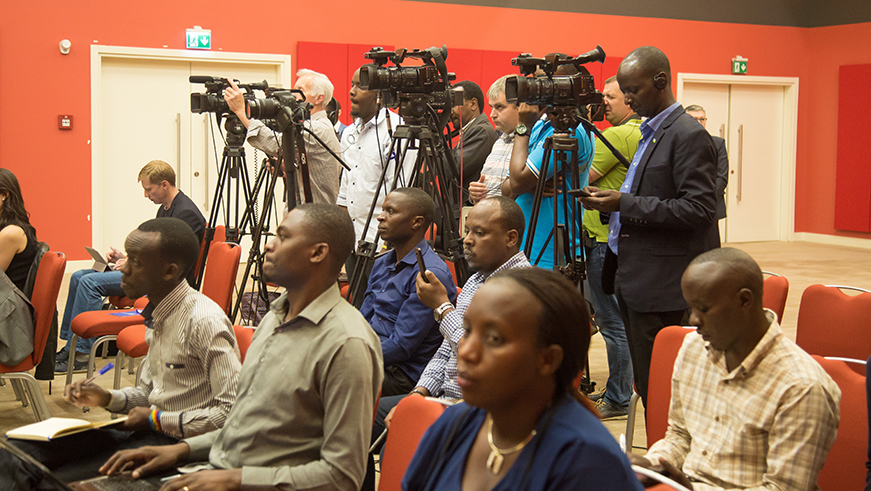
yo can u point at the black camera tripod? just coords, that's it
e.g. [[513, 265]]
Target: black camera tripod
[[435, 172], [232, 178], [568, 254]]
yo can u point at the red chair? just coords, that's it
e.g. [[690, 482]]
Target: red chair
[[665, 349], [774, 293], [845, 464], [832, 323], [218, 282], [103, 325], [412, 418], [44, 301], [243, 339]]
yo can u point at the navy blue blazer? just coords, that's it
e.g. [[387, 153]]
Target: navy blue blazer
[[669, 217]]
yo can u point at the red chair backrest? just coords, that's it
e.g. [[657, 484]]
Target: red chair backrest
[[413, 416], [44, 299], [243, 339], [665, 348], [832, 323], [845, 465], [774, 294], [220, 275]]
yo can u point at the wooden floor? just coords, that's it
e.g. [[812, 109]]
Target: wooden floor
[[801, 262]]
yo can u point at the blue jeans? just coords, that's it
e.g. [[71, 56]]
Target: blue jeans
[[87, 289], [610, 322]]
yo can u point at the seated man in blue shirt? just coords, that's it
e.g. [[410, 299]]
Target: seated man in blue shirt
[[409, 333]]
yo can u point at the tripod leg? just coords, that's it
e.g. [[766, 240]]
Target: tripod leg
[[539, 193]]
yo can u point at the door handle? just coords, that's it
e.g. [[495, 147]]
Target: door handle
[[723, 131], [740, 160]]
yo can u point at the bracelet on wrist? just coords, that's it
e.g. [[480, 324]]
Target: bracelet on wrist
[[415, 391]]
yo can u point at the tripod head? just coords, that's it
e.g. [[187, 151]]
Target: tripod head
[[236, 131]]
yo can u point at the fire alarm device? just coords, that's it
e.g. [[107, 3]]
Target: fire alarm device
[[65, 122]]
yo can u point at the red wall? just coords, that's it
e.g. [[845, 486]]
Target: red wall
[[37, 83]]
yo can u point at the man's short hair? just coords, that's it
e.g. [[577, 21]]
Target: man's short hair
[[498, 87], [156, 172], [178, 244], [510, 215], [735, 263], [471, 90], [319, 85], [611, 79], [420, 203], [651, 60], [694, 108], [330, 224]]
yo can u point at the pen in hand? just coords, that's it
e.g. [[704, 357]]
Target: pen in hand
[[103, 370]]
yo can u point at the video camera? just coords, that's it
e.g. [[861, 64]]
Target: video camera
[[554, 90], [280, 108], [213, 100], [414, 89]]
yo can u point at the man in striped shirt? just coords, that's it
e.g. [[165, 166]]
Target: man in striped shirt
[[189, 376], [749, 409]]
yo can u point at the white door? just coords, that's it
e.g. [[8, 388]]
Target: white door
[[145, 116], [753, 201], [750, 118]]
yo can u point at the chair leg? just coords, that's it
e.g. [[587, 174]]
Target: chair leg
[[131, 366], [31, 388], [20, 394], [138, 372], [630, 421], [119, 368], [72, 359]]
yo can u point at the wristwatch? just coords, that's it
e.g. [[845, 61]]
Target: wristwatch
[[521, 130], [440, 311]]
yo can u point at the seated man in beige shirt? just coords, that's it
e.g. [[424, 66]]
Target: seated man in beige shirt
[[749, 409]]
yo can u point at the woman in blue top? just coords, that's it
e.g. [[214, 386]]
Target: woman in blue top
[[522, 425]]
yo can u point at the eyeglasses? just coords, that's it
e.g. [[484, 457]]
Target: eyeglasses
[[701, 120]]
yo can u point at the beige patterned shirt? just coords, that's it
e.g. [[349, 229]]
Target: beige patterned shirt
[[766, 425], [192, 365]]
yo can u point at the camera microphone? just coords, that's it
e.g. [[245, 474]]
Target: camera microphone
[[201, 79]]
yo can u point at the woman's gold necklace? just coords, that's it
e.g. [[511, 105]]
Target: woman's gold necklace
[[497, 455]]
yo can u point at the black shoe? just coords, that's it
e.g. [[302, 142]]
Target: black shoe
[[596, 397], [78, 366], [63, 354], [610, 411]]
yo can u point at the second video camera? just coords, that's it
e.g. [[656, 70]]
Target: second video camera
[[576, 89]]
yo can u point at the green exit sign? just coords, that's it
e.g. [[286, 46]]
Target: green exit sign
[[739, 66], [199, 38]]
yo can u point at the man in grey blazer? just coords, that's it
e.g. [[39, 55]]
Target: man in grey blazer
[[664, 214], [698, 113], [478, 134]]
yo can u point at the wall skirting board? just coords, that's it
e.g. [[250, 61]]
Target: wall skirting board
[[833, 240]]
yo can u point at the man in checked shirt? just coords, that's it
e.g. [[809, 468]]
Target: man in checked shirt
[[189, 376], [749, 409]]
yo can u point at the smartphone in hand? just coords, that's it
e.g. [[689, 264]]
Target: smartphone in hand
[[420, 264]]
